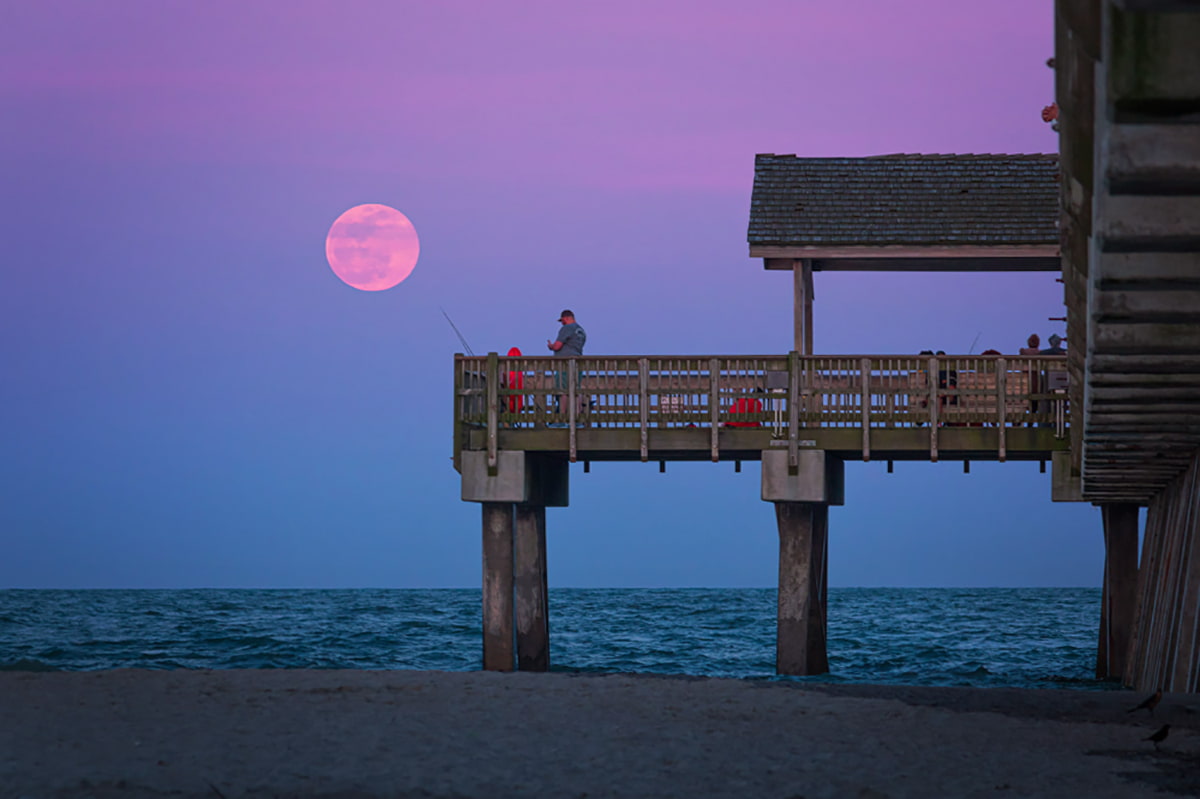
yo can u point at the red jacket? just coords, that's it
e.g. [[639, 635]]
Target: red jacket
[[743, 406]]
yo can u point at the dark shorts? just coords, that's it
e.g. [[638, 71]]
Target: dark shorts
[[562, 377]]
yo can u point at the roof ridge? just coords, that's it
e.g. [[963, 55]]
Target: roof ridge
[[1026, 156]]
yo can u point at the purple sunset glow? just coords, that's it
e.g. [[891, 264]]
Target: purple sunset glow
[[194, 402]]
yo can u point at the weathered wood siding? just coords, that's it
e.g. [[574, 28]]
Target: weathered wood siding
[[1164, 651]]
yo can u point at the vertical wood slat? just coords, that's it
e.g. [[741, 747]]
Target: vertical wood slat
[[1154, 591], [1135, 663], [865, 371], [1002, 406], [793, 410], [644, 404], [1171, 591], [933, 408], [714, 404], [493, 402], [572, 376], [1187, 676], [1176, 581]]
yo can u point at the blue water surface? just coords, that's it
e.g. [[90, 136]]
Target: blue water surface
[[1044, 637]]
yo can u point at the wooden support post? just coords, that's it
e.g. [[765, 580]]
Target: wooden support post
[[1119, 594], [529, 574], [1002, 407], [498, 586], [793, 400], [572, 390], [643, 404], [865, 371], [803, 571], [714, 406], [802, 284], [933, 409], [493, 409]]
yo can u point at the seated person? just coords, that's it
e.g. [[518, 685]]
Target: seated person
[[1055, 347], [743, 406]]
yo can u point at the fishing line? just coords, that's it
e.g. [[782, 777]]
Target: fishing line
[[456, 332]]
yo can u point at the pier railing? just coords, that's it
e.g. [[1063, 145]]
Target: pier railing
[[781, 393]]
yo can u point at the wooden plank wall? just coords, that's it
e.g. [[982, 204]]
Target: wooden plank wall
[[1164, 650]]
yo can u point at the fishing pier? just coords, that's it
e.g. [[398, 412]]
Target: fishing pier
[[521, 422], [1117, 417]]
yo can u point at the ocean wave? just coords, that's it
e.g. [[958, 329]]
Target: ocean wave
[[985, 637]]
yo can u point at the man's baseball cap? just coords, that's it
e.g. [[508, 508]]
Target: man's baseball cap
[[567, 312], [1056, 339]]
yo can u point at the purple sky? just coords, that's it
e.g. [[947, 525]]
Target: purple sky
[[193, 399]]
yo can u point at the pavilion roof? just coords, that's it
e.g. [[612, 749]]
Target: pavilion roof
[[904, 199]]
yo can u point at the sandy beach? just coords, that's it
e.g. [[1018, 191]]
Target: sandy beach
[[129, 733]]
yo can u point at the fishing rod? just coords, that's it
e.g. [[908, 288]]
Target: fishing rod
[[973, 343], [456, 332]]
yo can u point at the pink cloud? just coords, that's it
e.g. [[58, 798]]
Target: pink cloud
[[656, 95]]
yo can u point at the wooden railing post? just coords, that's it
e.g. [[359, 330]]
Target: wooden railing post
[[572, 378], [714, 404], [493, 409], [1002, 405], [934, 382], [793, 410], [865, 371], [644, 404]]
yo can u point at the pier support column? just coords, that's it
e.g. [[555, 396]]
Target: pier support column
[[515, 492], [533, 628], [498, 586], [802, 493], [803, 578], [1119, 595]]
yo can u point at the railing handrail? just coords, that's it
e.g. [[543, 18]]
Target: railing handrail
[[771, 356], [671, 391]]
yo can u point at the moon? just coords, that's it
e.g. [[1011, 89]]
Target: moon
[[372, 247]]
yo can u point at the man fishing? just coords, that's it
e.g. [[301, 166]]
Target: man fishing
[[571, 336], [570, 341]]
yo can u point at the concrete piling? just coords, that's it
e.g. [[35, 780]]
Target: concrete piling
[[498, 586], [1119, 594], [800, 646], [529, 568]]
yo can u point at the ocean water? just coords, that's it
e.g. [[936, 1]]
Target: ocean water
[[972, 637]]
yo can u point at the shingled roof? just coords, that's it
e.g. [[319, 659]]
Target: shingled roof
[[980, 200]]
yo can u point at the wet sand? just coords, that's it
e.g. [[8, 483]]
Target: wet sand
[[262, 733]]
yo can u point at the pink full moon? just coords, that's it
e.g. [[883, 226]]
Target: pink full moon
[[372, 247]]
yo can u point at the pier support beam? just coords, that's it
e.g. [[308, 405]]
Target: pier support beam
[[533, 626], [515, 493], [498, 586], [803, 579], [1119, 595], [802, 316], [802, 495]]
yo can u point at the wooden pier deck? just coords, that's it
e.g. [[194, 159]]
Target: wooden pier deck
[[721, 408]]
